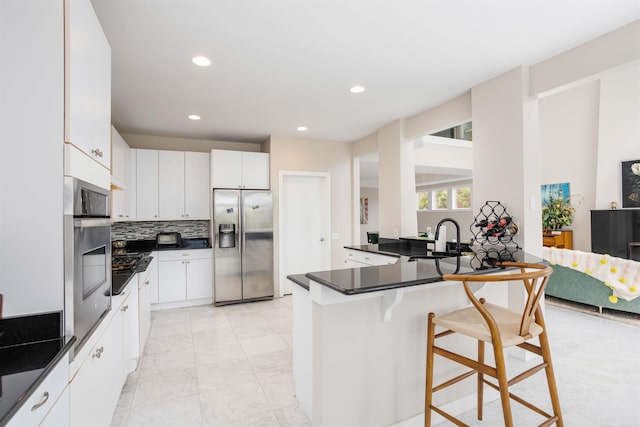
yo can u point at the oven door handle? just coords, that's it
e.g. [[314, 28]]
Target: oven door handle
[[91, 222]]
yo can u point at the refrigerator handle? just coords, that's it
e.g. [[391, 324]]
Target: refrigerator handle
[[242, 218]]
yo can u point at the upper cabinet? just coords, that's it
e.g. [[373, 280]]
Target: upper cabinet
[[120, 180], [239, 169], [147, 184], [183, 185], [87, 82]]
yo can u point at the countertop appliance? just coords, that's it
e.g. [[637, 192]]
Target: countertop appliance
[[242, 246], [87, 257], [169, 239]]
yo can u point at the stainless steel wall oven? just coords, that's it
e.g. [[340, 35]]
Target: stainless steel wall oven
[[87, 255]]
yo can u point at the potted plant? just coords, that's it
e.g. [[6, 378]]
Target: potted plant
[[557, 212]]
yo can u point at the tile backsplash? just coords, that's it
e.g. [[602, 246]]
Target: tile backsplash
[[147, 230]]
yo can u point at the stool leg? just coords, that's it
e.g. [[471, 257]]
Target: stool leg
[[428, 393], [551, 379], [480, 379], [503, 383]]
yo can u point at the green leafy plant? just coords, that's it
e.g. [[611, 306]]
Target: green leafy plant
[[557, 212]]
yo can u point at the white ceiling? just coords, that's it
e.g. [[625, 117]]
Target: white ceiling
[[282, 64]]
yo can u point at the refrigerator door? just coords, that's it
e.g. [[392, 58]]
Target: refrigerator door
[[227, 257], [257, 244]]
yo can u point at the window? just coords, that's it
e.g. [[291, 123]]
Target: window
[[462, 199], [463, 131], [423, 200], [450, 198], [441, 199]]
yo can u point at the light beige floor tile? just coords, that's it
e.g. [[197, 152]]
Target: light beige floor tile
[[292, 416], [213, 336], [212, 376], [165, 386], [279, 390], [168, 329], [265, 420], [166, 317], [179, 412], [253, 331], [207, 323], [156, 364], [208, 352], [263, 344], [272, 363], [227, 404], [169, 343]]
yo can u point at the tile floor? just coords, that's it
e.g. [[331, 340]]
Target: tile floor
[[215, 366], [231, 366]]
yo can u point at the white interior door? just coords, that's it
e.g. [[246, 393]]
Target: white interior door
[[305, 225]]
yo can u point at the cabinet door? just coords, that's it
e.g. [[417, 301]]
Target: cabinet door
[[196, 190], [200, 278], [144, 314], [171, 184], [88, 118], [255, 171], [92, 391], [131, 327], [131, 184], [226, 169], [59, 414], [152, 277], [147, 184], [120, 156], [172, 284]]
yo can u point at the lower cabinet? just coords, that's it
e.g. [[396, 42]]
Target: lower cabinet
[[356, 259], [147, 283], [95, 389], [49, 403], [185, 276]]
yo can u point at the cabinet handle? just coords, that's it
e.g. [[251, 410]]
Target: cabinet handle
[[155, 216], [146, 282], [186, 254], [96, 152], [120, 215], [44, 399], [125, 308]]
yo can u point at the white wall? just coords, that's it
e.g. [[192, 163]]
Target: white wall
[[298, 154], [618, 130], [31, 156], [568, 141]]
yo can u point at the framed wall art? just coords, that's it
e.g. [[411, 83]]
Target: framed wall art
[[630, 184]]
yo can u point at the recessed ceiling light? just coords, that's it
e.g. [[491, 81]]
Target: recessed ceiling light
[[202, 61], [194, 117], [302, 128], [357, 89]]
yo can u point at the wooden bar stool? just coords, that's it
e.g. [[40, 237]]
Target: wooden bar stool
[[502, 328]]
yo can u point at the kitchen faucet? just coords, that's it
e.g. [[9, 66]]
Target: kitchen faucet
[[457, 233]]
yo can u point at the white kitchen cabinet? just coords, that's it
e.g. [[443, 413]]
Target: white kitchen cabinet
[[87, 82], [93, 395], [147, 281], [44, 399], [130, 330], [239, 169], [120, 158], [199, 278], [132, 183], [185, 275], [171, 184], [355, 258], [147, 184], [197, 192], [58, 416]]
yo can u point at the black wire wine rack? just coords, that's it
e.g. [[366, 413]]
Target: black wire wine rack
[[493, 230]]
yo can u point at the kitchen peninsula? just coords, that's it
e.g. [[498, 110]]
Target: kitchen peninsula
[[359, 339]]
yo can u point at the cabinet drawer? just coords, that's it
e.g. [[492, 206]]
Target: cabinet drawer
[[178, 255], [43, 398]]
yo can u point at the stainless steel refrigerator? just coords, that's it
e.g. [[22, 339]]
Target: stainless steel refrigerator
[[243, 245]]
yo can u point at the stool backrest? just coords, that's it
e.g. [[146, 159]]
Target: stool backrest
[[534, 278]]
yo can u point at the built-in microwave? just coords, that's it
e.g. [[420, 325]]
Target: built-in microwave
[[87, 257]]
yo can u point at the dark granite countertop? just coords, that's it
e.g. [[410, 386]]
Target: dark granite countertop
[[352, 281], [120, 278], [150, 245], [30, 347], [412, 247], [300, 280]]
